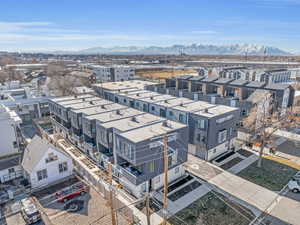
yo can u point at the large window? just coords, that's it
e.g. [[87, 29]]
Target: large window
[[42, 174], [201, 124], [62, 167], [222, 135], [151, 167]]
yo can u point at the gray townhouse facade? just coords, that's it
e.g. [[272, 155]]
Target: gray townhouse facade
[[140, 152], [129, 138], [238, 93]]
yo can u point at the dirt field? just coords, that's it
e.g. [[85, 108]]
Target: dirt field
[[163, 74]]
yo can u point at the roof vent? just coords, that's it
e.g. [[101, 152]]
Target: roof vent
[[134, 119], [103, 107], [152, 97], [165, 123], [206, 110], [91, 102], [137, 94], [166, 101], [83, 99], [181, 104], [75, 96], [118, 112]]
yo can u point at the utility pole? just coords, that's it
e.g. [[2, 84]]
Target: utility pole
[[113, 215], [166, 166], [148, 208]]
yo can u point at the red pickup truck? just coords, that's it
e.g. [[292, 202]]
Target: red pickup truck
[[73, 191]]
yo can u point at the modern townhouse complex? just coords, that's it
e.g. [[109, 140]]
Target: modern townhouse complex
[[112, 73], [131, 139], [225, 91], [212, 128], [260, 75]]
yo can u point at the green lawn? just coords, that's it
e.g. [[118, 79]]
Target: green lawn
[[210, 210], [271, 175]]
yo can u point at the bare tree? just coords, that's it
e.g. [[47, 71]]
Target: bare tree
[[264, 121]]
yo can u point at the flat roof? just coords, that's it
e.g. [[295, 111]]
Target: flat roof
[[115, 86], [223, 80], [158, 98], [74, 101], [174, 102], [239, 82], [255, 84], [216, 110], [140, 95], [90, 103], [71, 97], [133, 122], [94, 113], [209, 79], [193, 107], [151, 131], [9, 162], [118, 114]]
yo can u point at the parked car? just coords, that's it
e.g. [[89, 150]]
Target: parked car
[[29, 211], [294, 185], [72, 192]]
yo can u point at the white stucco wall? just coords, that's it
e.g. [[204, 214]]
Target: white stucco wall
[[159, 182]]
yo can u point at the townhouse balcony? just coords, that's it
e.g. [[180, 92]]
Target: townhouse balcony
[[89, 146], [76, 138], [131, 174]]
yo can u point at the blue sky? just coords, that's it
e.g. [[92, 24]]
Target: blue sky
[[79, 24]]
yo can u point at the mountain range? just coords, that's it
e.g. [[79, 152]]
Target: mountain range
[[193, 49]]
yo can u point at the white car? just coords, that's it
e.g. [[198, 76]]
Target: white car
[[294, 185]]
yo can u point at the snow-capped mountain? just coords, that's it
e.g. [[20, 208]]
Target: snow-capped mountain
[[193, 49]]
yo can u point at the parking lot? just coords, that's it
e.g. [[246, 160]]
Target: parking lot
[[94, 211]]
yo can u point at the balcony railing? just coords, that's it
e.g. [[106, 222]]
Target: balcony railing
[[89, 146], [131, 174]]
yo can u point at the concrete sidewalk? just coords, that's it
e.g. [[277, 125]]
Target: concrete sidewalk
[[255, 196]]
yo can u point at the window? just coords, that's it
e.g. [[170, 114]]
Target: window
[[137, 104], [176, 170], [152, 167], [230, 131], [171, 114], [62, 167], [124, 100], [11, 170], [222, 135], [15, 144], [181, 118], [51, 157], [201, 124], [42, 174], [152, 108]]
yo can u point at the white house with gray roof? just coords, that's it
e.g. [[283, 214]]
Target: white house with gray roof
[[44, 164]]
